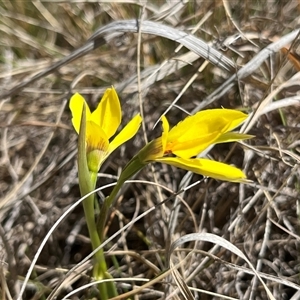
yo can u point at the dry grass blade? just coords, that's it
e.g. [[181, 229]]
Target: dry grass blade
[[261, 274], [212, 238], [263, 105], [182, 286], [158, 72], [59, 286], [248, 68], [15, 190], [114, 30], [191, 42], [45, 240], [107, 280]]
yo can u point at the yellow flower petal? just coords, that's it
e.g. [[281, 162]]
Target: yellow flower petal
[[108, 113], [100, 126], [187, 149], [206, 167], [233, 137], [234, 117], [76, 106], [165, 133], [96, 138], [207, 121], [126, 133], [205, 125]]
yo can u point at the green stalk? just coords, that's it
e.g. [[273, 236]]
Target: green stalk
[[134, 166], [87, 183], [99, 267], [146, 155]]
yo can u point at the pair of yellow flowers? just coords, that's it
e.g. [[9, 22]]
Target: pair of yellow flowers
[[176, 146]]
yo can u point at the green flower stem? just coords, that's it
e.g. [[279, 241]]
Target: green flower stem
[[87, 183], [134, 166], [99, 267], [107, 289], [105, 208]]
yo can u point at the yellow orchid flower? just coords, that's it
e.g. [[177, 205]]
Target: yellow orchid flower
[[101, 125], [187, 139], [192, 136]]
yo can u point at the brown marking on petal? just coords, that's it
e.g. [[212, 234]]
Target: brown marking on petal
[[101, 145], [168, 152], [169, 146]]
